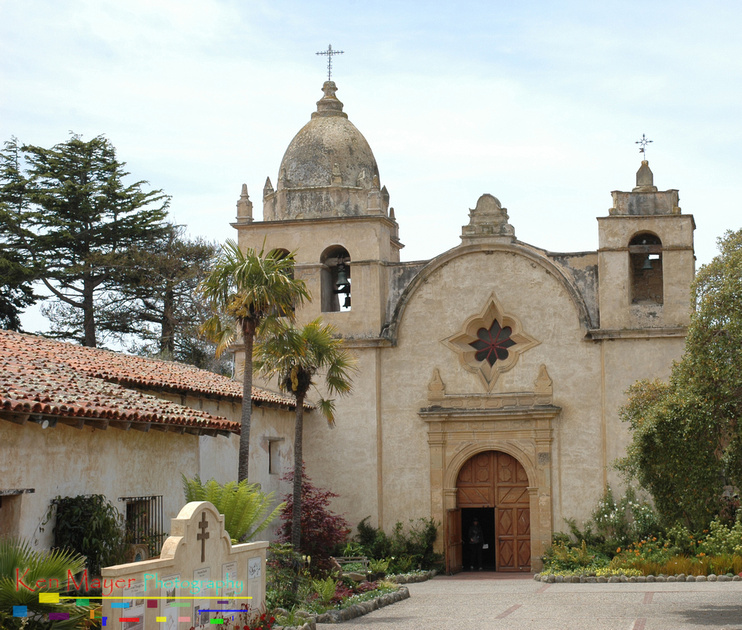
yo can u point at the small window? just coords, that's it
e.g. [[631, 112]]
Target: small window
[[10, 511], [274, 456], [335, 279], [645, 260], [144, 525]]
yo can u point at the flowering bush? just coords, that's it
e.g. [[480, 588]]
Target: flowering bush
[[561, 557], [247, 620], [624, 520], [721, 539]]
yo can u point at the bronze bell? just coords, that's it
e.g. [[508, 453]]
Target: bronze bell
[[342, 275]]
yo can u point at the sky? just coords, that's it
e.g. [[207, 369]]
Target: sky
[[539, 103]]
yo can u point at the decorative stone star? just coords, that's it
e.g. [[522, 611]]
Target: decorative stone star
[[490, 342]]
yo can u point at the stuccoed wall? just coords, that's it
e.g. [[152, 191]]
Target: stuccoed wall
[[437, 310], [66, 461], [344, 459]]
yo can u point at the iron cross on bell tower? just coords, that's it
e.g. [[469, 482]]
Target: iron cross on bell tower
[[330, 52], [643, 144]]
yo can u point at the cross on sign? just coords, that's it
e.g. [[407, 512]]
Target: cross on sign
[[203, 535]]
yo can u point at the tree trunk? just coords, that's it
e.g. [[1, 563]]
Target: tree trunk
[[248, 337], [88, 313], [167, 328], [298, 461]]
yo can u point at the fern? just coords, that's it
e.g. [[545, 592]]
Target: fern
[[247, 510]]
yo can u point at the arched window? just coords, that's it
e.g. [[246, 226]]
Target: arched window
[[645, 262], [335, 279]]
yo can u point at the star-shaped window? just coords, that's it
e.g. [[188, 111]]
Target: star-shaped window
[[492, 344]]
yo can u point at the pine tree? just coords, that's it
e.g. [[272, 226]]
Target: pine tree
[[83, 224], [16, 272]]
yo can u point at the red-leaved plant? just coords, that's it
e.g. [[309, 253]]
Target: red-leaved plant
[[321, 529]]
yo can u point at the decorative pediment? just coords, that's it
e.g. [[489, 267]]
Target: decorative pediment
[[512, 403], [490, 342]]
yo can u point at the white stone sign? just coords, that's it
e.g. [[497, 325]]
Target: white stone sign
[[198, 576]]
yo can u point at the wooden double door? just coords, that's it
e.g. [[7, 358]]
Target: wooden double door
[[494, 480]]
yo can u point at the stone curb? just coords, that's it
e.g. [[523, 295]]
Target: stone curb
[[415, 577], [356, 610], [550, 578]]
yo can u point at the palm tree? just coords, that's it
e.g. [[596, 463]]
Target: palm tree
[[25, 572], [241, 291], [295, 356]]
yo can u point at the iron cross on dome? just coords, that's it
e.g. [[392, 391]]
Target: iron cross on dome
[[203, 535], [330, 52]]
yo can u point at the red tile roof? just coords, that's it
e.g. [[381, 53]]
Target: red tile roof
[[41, 376]]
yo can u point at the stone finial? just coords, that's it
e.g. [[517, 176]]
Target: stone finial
[[384, 199], [268, 188], [329, 104], [392, 216], [436, 387], [645, 179], [375, 182], [644, 199], [543, 387], [244, 206], [488, 221], [361, 181]]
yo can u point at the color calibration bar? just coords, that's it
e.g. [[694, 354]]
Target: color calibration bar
[[54, 598]]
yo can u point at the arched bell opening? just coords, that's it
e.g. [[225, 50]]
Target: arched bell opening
[[645, 263], [335, 279]]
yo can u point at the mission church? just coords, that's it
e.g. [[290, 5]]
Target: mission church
[[490, 377]]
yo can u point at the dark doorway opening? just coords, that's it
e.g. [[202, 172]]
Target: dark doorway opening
[[486, 517]]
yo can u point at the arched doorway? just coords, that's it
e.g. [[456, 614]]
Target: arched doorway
[[493, 487]]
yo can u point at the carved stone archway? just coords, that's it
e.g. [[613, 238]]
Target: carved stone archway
[[461, 426]]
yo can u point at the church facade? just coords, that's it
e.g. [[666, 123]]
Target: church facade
[[490, 377]]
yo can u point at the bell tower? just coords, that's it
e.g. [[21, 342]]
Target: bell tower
[[329, 208], [646, 261]]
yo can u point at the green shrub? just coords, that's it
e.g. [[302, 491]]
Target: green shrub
[[325, 589], [406, 549], [379, 566], [91, 526], [721, 540], [246, 510], [561, 557], [374, 542], [287, 578]]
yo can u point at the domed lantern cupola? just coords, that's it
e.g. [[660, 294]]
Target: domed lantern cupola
[[328, 170]]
